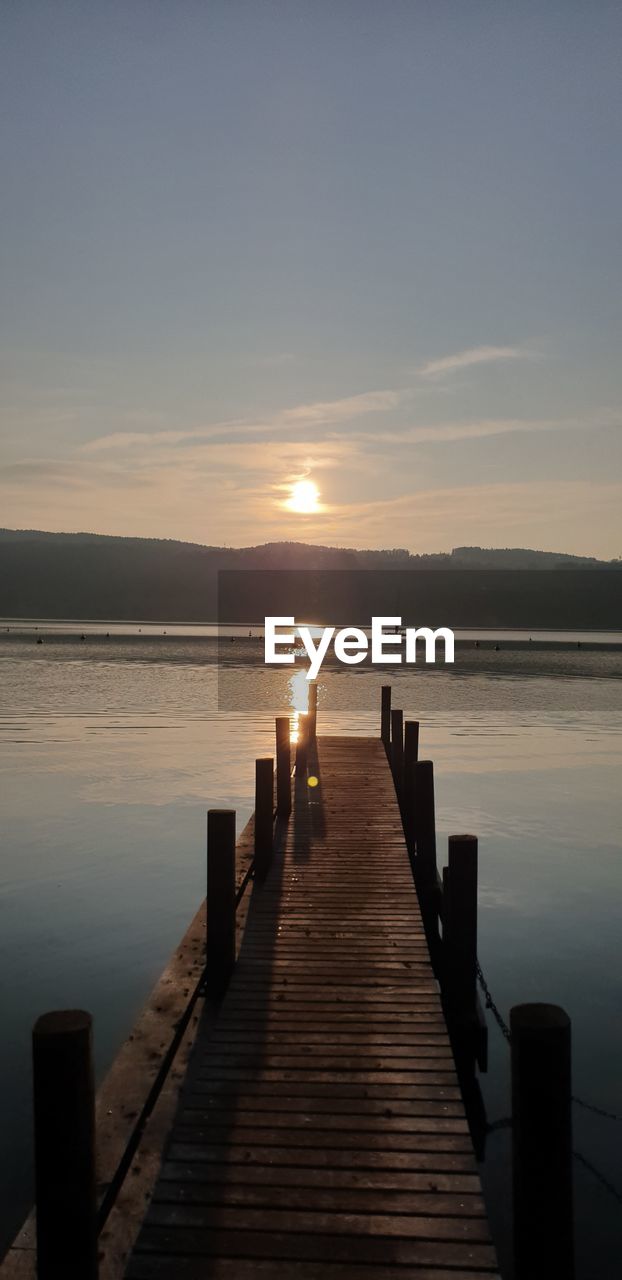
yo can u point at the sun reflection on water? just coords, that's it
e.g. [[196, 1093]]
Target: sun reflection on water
[[298, 700]]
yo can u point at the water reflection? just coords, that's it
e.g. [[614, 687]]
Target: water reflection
[[299, 701], [109, 760]]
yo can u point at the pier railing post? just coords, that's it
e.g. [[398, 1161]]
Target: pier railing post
[[425, 827], [426, 873], [411, 755], [397, 750], [460, 932], [385, 717], [283, 767], [220, 957], [542, 1142], [312, 713], [264, 814], [64, 1131], [302, 746]]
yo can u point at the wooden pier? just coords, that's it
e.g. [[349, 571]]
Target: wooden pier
[[306, 1120], [321, 1131]]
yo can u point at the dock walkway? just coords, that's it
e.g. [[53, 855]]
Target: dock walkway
[[321, 1133]]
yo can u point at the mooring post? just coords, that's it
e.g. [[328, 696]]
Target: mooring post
[[460, 932], [397, 750], [302, 746], [312, 713], [283, 767], [220, 957], [385, 717], [542, 1142], [64, 1133], [426, 874], [411, 754], [264, 814], [425, 826]]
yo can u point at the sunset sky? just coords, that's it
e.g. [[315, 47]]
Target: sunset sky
[[371, 245]]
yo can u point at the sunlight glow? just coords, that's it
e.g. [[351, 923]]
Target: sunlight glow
[[303, 498]]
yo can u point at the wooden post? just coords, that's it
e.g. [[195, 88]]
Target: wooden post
[[425, 826], [397, 750], [385, 717], [220, 899], [283, 768], [460, 930], [312, 714], [264, 814], [302, 746], [542, 1142], [411, 754], [411, 746], [445, 900], [64, 1127]]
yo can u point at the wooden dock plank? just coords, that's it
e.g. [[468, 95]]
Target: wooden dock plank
[[321, 1132]]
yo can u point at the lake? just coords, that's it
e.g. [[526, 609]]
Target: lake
[[112, 749]]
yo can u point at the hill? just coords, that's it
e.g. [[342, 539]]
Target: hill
[[83, 575]]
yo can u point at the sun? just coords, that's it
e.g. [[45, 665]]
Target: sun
[[303, 498]]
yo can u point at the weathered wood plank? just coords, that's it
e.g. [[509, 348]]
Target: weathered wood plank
[[332, 1199], [150, 1267], [404, 1181], [433, 1160], [367, 1249]]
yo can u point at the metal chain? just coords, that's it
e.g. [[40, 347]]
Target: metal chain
[[598, 1111], [506, 1122], [490, 1004], [505, 1031], [587, 1164], [496, 1125]]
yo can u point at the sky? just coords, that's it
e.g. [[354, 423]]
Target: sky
[[374, 246]]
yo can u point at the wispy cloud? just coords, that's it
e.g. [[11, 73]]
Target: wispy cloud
[[349, 407], [283, 421], [552, 514], [472, 356], [478, 428], [224, 495], [289, 430]]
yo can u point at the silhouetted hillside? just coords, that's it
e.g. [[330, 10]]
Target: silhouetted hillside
[[58, 575]]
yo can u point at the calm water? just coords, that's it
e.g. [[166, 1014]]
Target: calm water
[[111, 751]]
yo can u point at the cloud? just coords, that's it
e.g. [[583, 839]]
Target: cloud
[[317, 413], [472, 356], [221, 494], [478, 428], [553, 515], [327, 417], [344, 410]]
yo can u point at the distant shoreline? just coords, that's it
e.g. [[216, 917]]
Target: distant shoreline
[[82, 630]]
